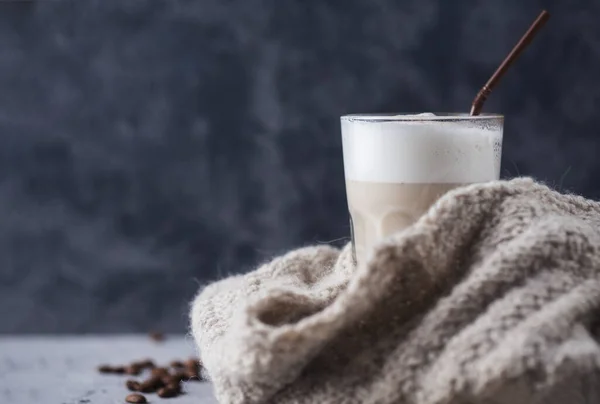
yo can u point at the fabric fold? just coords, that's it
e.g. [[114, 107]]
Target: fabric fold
[[493, 291]]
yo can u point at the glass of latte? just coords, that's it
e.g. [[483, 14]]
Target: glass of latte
[[397, 166]]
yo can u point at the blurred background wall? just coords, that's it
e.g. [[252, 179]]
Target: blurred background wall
[[147, 147]]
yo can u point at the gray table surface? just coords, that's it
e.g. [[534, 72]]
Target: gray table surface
[[62, 370]]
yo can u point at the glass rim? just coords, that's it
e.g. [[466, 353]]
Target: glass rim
[[412, 117]]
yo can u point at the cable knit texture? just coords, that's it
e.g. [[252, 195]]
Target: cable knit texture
[[491, 297]]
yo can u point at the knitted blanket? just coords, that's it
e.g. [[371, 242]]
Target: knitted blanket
[[491, 297]]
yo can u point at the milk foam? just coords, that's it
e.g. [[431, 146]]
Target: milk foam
[[423, 115], [420, 151]]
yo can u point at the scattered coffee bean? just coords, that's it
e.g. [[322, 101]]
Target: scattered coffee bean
[[173, 385], [133, 385], [147, 388], [134, 369], [179, 376], [177, 364], [161, 381], [156, 336], [119, 370], [160, 371], [136, 399], [151, 385], [168, 392], [105, 369], [192, 369], [192, 363], [167, 379], [145, 364]]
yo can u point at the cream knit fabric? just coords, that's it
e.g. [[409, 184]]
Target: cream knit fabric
[[491, 297]]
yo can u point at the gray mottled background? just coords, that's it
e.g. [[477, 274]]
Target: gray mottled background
[[147, 147]]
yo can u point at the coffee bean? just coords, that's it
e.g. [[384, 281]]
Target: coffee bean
[[151, 385], [167, 392], [136, 399], [119, 370], [133, 370], [133, 385], [167, 379], [105, 369], [192, 369], [179, 376], [156, 336], [147, 388], [160, 371], [192, 363], [177, 364], [145, 364]]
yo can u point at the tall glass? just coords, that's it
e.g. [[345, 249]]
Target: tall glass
[[397, 166]]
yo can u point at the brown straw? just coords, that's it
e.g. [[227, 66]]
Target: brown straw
[[512, 56]]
